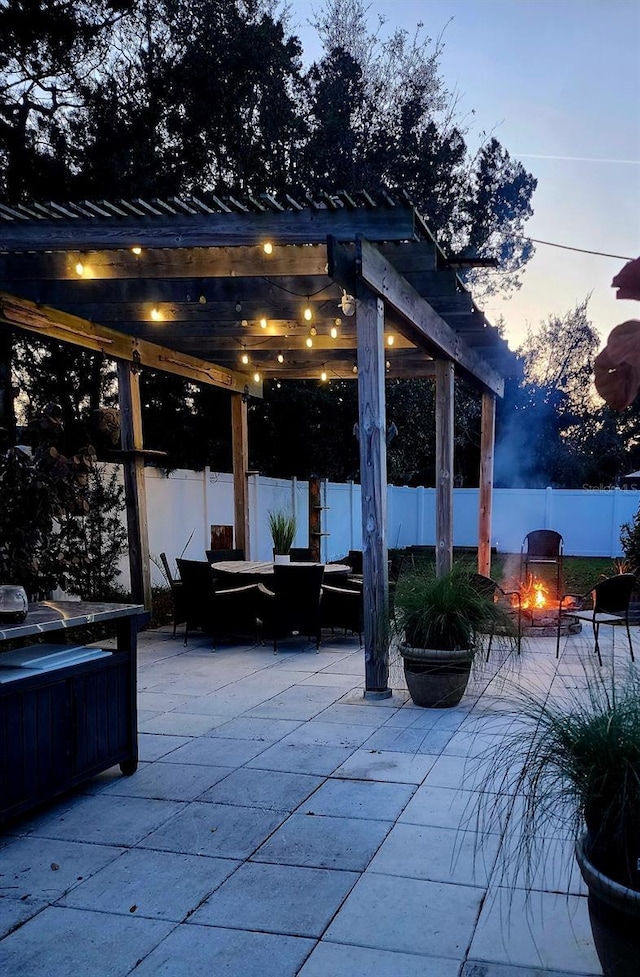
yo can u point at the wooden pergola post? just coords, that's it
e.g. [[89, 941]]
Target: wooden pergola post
[[240, 453], [373, 480], [134, 487], [487, 444], [444, 466]]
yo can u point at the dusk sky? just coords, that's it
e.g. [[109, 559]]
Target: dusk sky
[[558, 83]]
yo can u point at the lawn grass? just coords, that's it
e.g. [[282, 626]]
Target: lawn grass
[[579, 573]]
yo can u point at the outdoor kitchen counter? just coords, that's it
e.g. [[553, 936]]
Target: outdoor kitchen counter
[[67, 711]]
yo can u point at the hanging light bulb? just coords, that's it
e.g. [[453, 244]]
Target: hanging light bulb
[[309, 342], [280, 357], [347, 303], [245, 358], [354, 369], [390, 339], [136, 249], [323, 375], [308, 314], [313, 331], [79, 268], [263, 323], [388, 365], [156, 315], [267, 247], [256, 377], [333, 332]]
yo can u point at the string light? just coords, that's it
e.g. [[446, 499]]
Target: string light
[[323, 375], [308, 314], [156, 315], [79, 269], [136, 249], [267, 247], [313, 331], [390, 339], [354, 368], [280, 357], [245, 358], [309, 341], [333, 332], [256, 377], [263, 323]]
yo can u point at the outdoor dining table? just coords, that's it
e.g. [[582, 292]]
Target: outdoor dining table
[[263, 568]]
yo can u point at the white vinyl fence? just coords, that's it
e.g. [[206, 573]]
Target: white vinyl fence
[[184, 505]]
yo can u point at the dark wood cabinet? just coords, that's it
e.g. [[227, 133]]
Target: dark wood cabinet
[[60, 725]]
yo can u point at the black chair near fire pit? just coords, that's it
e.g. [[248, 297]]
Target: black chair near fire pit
[[489, 588], [609, 604], [542, 547]]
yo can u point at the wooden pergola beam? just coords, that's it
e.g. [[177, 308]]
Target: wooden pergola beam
[[208, 231], [444, 466], [71, 329], [487, 446], [240, 454], [134, 484], [423, 325], [220, 262], [373, 480]]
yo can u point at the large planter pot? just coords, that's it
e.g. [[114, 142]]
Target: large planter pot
[[281, 558], [614, 912], [436, 678]]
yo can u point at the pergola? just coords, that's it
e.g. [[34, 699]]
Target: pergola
[[228, 292]]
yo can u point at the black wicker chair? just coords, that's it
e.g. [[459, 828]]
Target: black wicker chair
[[177, 599], [215, 610], [489, 588], [342, 607], [542, 547], [609, 600], [301, 554], [223, 556], [293, 605]]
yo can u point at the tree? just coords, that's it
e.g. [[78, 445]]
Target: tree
[[381, 117], [550, 428]]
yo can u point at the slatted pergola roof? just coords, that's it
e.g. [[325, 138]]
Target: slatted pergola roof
[[191, 274]]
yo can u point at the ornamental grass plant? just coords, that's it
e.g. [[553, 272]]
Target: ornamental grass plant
[[570, 764], [447, 612], [283, 526]]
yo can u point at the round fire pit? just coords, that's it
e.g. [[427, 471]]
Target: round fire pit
[[542, 622]]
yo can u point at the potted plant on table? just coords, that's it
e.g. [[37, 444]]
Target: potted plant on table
[[283, 526], [577, 762], [441, 621]]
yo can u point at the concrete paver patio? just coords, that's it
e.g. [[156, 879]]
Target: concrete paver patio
[[279, 824]]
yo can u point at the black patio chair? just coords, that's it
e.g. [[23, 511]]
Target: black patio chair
[[542, 547], [177, 599], [489, 588], [354, 560], [223, 556], [216, 611], [342, 607], [293, 605], [609, 600], [301, 554]]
